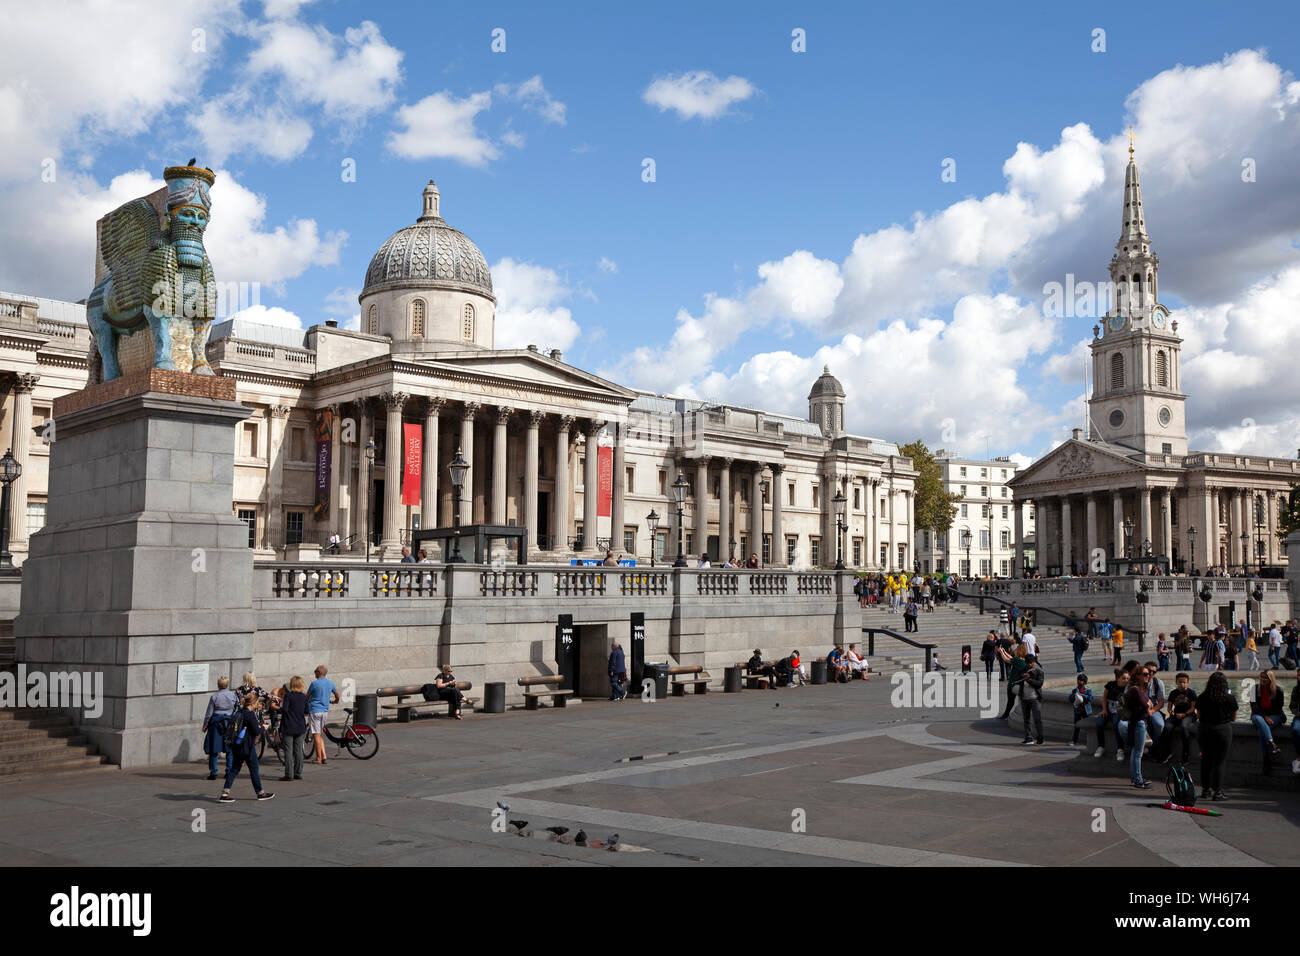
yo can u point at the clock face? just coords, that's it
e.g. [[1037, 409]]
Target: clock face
[[1158, 318], [1164, 416], [1117, 322]]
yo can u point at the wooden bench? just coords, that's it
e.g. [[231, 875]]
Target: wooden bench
[[694, 676], [532, 698], [410, 699], [755, 681]]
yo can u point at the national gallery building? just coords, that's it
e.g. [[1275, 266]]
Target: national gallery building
[[351, 434], [1132, 487]]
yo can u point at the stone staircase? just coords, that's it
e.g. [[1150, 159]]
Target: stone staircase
[[34, 741], [950, 626], [41, 742]]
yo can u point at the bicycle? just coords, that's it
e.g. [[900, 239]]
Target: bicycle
[[361, 740]]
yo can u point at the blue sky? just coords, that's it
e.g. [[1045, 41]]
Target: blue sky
[[735, 274]]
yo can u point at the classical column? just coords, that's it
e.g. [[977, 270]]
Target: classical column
[[1018, 529], [1144, 514], [892, 555], [336, 455], [23, 386], [724, 510], [1217, 529], [1117, 512], [1207, 538], [873, 519], [1248, 526], [591, 485], [701, 506], [391, 541], [1234, 529], [279, 417], [560, 504], [499, 466], [618, 504], [910, 497], [1090, 529], [467, 413], [1271, 554], [532, 419], [1167, 524], [1067, 562], [361, 505], [778, 537], [429, 465]]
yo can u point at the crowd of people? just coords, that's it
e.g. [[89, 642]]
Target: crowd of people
[[235, 721]]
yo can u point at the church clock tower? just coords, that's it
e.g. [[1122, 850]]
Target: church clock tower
[[1136, 398]]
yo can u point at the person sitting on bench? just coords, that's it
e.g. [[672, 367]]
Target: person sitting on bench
[[448, 691], [756, 666]]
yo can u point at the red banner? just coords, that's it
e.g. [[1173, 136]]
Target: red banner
[[605, 472], [412, 452]]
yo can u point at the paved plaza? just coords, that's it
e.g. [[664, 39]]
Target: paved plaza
[[723, 779]]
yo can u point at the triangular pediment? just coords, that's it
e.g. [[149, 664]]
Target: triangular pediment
[[525, 368], [1077, 459]]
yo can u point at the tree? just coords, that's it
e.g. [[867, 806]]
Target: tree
[[1289, 520], [935, 507]]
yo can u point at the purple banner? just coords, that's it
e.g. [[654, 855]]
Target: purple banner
[[324, 426]]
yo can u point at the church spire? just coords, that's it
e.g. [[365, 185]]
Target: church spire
[[1134, 229]]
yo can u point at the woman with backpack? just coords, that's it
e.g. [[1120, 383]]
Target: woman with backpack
[[1016, 667], [1216, 709], [242, 733]]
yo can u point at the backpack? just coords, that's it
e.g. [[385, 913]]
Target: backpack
[[234, 730], [1180, 786]]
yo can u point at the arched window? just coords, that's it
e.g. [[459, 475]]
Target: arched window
[[1117, 371], [1151, 282], [467, 331], [1162, 369], [417, 319], [372, 322]]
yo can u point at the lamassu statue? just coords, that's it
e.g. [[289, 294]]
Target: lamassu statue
[[156, 274]]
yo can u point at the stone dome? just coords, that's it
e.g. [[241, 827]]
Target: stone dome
[[827, 384], [429, 255]]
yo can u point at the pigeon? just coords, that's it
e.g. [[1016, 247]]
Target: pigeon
[[581, 838], [777, 704], [519, 824], [503, 806], [193, 160], [612, 841], [558, 831]]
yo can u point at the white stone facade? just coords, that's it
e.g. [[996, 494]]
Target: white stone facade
[[987, 509]]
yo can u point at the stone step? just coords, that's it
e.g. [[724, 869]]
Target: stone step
[[12, 731], [63, 765], [36, 751]]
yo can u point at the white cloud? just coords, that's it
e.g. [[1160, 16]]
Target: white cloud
[[349, 77], [54, 83], [533, 95], [269, 315], [228, 125], [697, 93], [607, 265], [442, 127], [528, 312]]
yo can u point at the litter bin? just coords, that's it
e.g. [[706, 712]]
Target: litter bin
[[659, 674], [494, 698], [819, 671], [731, 680], [367, 709]]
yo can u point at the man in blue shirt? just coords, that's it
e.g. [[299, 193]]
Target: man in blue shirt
[[320, 695]]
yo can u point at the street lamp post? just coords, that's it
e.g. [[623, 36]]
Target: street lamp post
[[10, 470], [652, 522], [731, 551], [458, 467], [679, 489], [370, 493], [965, 543], [1191, 536], [1245, 553], [763, 484], [839, 501], [1128, 539], [1259, 534]]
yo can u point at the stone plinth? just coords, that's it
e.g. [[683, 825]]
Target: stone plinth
[[141, 568]]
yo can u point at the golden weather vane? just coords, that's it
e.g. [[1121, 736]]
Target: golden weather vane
[[1131, 138]]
